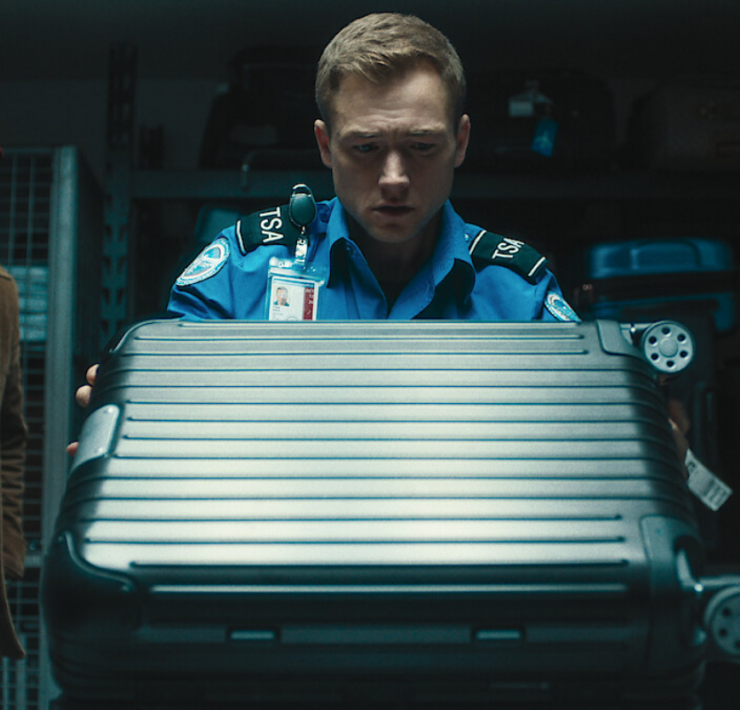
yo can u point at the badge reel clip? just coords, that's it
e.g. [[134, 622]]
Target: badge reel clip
[[294, 284], [302, 211]]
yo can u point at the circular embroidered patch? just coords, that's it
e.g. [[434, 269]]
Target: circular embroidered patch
[[560, 308], [207, 264]]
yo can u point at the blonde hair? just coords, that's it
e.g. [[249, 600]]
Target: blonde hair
[[382, 46]]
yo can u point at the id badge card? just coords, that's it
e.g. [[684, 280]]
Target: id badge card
[[293, 291]]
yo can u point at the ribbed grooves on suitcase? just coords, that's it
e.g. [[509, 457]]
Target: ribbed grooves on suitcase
[[476, 504], [395, 445]]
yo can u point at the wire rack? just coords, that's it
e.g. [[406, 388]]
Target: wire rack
[[46, 202]]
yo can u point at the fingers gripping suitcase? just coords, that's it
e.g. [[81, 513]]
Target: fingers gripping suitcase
[[321, 511]]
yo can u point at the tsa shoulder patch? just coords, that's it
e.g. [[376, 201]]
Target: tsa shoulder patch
[[208, 263], [559, 308], [271, 226], [491, 248]]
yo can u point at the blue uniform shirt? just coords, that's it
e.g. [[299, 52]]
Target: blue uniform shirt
[[224, 283]]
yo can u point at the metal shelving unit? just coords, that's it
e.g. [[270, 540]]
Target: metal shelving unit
[[271, 185], [50, 226]]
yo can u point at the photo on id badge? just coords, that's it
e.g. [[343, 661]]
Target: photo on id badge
[[292, 300]]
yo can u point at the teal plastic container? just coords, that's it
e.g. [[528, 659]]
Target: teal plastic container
[[621, 279]]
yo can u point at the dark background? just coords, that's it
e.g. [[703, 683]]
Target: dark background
[[54, 84]]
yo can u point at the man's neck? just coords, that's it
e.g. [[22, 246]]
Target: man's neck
[[394, 265]]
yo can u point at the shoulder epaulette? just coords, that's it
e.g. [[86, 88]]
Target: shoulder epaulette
[[281, 225], [271, 226], [490, 248]]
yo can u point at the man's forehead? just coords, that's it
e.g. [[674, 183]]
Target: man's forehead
[[353, 82], [353, 87], [364, 109]]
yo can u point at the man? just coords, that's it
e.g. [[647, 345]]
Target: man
[[390, 90], [12, 457]]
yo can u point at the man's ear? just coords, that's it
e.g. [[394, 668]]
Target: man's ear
[[321, 131], [463, 137]]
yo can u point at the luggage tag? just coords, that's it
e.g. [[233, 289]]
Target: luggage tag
[[546, 130], [709, 489], [544, 137], [293, 286], [533, 104]]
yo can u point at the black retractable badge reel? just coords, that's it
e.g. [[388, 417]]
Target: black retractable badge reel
[[294, 285], [302, 211]]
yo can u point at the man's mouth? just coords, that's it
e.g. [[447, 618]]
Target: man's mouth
[[394, 210]]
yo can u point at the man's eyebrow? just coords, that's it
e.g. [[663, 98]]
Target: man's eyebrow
[[414, 133], [362, 135], [421, 132]]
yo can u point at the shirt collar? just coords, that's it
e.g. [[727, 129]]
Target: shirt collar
[[336, 228], [450, 254]]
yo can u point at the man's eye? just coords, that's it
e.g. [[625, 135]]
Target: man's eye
[[365, 147], [423, 147]]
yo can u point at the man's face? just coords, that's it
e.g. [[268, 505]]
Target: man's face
[[393, 150]]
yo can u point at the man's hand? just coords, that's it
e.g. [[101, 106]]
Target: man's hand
[[82, 396]]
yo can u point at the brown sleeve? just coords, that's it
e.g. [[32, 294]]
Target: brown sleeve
[[12, 430]]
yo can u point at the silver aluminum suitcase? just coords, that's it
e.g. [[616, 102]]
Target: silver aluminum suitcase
[[336, 512]]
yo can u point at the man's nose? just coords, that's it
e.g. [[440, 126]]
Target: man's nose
[[394, 173]]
